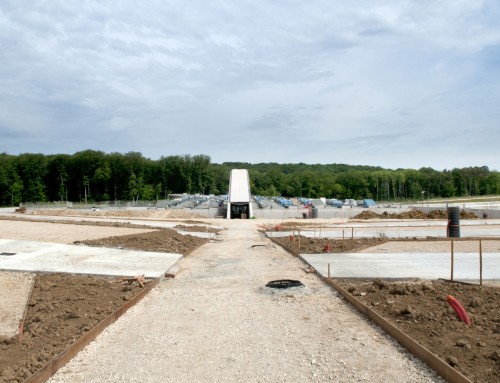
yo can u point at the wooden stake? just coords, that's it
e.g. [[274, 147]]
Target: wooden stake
[[21, 337], [328, 270], [452, 251], [343, 234], [352, 237], [299, 239], [480, 263]]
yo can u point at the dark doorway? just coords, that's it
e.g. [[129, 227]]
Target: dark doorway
[[240, 211]]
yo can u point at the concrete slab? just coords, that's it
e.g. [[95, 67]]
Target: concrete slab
[[34, 256], [393, 231], [170, 224], [404, 265]]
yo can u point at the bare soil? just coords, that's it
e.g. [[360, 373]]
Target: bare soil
[[165, 241], [306, 245], [197, 228], [413, 214], [64, 307], [420, 309]]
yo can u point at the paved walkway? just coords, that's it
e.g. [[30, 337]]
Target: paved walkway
[[217, 322]]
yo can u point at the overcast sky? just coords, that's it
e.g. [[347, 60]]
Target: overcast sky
[[397, 84]]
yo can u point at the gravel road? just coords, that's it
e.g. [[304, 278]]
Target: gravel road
[[217, 322]]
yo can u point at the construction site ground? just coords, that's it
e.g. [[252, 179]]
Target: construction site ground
[[216, 320]]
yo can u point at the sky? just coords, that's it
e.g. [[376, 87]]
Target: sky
[[396, 84]]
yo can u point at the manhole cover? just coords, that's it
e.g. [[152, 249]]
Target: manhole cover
[[8, 254], [284, 284]]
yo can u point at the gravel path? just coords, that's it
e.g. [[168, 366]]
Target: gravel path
[[217, 322], [15, 289]]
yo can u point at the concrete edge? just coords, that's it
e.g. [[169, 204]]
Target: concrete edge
[[173, 271], [64, 357]]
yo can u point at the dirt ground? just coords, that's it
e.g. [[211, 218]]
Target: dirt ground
[[164, 241], [306, 245], [63, 307], [413, 214], [420, 309]]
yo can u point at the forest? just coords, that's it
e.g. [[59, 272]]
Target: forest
[[94, 176]]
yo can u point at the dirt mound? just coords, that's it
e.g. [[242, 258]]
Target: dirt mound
[[368, 214], [197, 228], [305, 245], [467, 215], [412, 214], [163, 241], [420, 310], [438, 214]]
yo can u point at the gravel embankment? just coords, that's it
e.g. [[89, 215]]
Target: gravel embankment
[[217, 322]]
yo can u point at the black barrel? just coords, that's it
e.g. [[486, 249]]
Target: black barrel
[[314, 212], [453, 222], [222, 211]]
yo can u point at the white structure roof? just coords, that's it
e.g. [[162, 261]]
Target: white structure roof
[[239, 186]]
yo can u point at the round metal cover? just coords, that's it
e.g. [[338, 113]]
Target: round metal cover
[[284, 284]]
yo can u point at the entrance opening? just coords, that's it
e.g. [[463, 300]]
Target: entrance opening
[[240, 210], [8, 254]]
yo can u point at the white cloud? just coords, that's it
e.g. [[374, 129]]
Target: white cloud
[[194, 76]]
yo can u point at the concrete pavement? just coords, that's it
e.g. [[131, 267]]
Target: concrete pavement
[[33, 256]]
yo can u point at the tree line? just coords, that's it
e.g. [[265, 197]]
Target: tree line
[[95, 176]]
